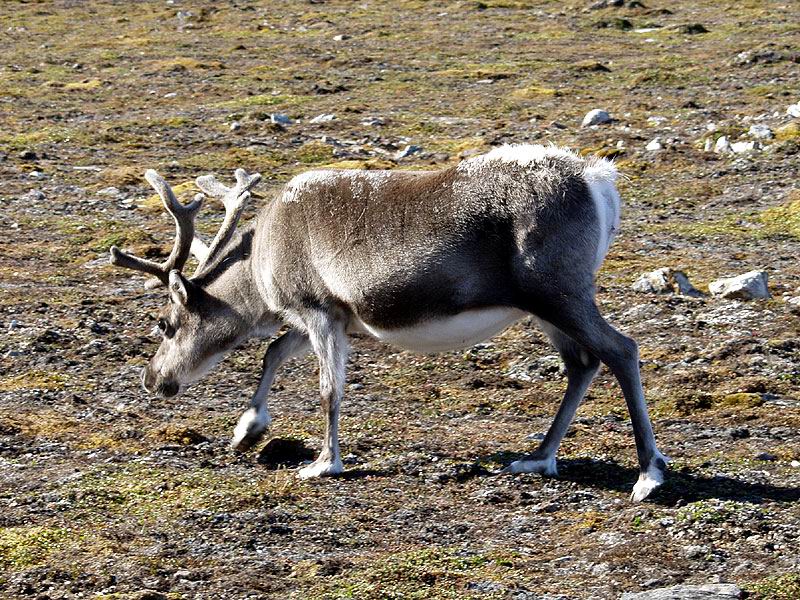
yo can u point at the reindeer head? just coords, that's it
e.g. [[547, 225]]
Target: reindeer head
[[197, 327]]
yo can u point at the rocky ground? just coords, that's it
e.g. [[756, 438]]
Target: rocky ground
[[108, 493]]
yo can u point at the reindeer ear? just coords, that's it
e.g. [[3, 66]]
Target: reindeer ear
[[180, 288]]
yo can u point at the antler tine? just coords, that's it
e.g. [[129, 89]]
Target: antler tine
[[234, 200], [184, 234]]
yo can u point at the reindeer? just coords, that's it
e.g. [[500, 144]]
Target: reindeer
[[425, 260]]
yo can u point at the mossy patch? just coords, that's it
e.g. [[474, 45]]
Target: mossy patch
[[314, 152], [779, 587], [788, 132], [85, 84], [35, 379], [533, 92], [26, 547]]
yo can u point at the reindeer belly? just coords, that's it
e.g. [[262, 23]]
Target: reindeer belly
[[445, 333]]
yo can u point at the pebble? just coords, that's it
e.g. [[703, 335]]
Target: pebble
[[28, 155], [664, 281], [761, 132], [341, 37], [795, 463], [34, 195], [323, 118], [236, 126], [280, 119], [109, 191], [794, 110], [741, 147], [373, 122], [596, 117], [655, 145], [408, 151], [747, 286], [723, 146], [709, 591], [767, 456]]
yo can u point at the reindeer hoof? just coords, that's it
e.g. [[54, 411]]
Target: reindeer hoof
[[250, 430], [650, 479], [545, 466], [321, 469]]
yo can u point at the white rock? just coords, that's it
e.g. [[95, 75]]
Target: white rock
[[408, 151], [280, 119], [373, 122], [596, 117], [708, 146], [109, 191], [723, 146], [742, 147], [748, 286], [323, 118], [794, 110], [654, 145], [709, 591], [761, 132], [665, 281], [656, 120], [236, 126], [341, 37]]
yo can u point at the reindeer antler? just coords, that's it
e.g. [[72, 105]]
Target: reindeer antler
[[234, 199], [184, 235]]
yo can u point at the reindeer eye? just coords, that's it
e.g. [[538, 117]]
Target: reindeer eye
[[162, 325]]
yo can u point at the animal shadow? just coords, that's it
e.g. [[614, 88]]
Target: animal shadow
[[679, 486]]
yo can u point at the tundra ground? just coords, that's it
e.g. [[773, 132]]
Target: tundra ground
[[105, 492]]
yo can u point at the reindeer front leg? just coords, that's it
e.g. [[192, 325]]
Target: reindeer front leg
[[329, 340], [255, 420]]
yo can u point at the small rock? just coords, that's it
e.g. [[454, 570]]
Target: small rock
[[280, 119], [34, 195], [766, 456], [534, 437], [323, 118], [655, 145], [692, 28], [341, 37], [709, 591], [723, 146], [236, 126], [664, 281], [408, 151], [794, 110], [742, 147], [695, 551], [739, 433], [109, 191], [373, 122], [708, 146], [761, 132], [795, 463], [28, 155], [748, 286], [596, 117]]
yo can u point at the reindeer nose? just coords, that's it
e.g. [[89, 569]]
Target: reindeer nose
[[168, 389], [148, 380]]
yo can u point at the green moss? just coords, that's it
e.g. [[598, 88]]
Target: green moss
[[780, 587], [25, 547], [788, 132], [742, 400], [431, 573], [314, 152], [34, 379]]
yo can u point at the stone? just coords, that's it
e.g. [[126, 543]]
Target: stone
[[742, 147], [373, 122], [794, 110], [236, 126], [748, 286], [280, 119], [34, 195], [665, 281], [708, 591], [761, 132], [408, 151], [596, 117], [109, 191], [325, 118], [723, 146], [655, 145]]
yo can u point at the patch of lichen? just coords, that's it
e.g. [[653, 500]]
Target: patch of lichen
[[26, 547], [417, 573], [775, 587], [34, 379]]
